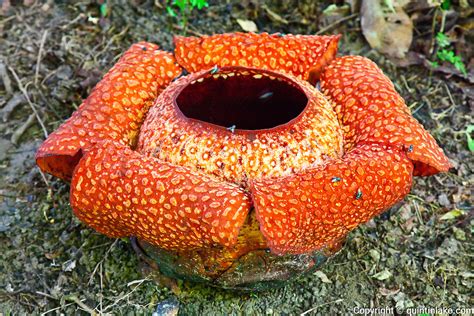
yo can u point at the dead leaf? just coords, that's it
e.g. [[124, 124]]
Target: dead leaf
[[388, 292], [389, 32], [247, 25], [322, 276]]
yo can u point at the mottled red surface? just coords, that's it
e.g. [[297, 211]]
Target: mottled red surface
[[188, 184], [303, 56], [119, 192], [315, 208], [372, 112], [114, 110]]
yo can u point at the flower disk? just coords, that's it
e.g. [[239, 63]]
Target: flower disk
[[239, 155]]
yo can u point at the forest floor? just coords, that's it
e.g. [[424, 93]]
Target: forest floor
[[53, 54]]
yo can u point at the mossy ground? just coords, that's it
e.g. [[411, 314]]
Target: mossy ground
[[49, 262]]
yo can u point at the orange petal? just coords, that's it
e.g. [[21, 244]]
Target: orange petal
[[314, 209], [371, 111], [303, 56], [114, 110], [120, 193]]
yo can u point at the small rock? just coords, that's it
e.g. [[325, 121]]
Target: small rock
[[64, 72], [168, 307], [443, 200], [69, 265]]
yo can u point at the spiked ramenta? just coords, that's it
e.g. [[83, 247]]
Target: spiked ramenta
[[242, 155]]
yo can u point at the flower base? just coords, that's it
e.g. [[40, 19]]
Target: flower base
[[258, 270]]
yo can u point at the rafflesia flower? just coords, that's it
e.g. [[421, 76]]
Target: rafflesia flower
[[241, 171]]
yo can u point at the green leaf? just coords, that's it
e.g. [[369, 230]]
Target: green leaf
[[460, 66], [442, 40], [452, 214], [470, 141], [199, 4], [103, 9], [446, 55], [446, 5], [181, 4], [449, 56], [171, 12]]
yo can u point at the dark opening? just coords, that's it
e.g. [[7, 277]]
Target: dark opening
[[242, 101]]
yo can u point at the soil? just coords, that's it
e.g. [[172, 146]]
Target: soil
[[417, 254]]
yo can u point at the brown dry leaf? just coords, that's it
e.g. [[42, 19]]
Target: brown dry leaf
[[388, 29], [247, 25]]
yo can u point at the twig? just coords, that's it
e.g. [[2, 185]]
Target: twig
[[75, 20], [126, 295], [40, 53], [45, 180], [6, 79], [81, 304], [22, 129], [25, 93], [46, 295], [56, 308], [101, 261], [330, 26], [450, 95], [321, 305]]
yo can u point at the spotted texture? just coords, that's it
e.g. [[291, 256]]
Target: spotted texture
[[120, 193], [371, 111], [314, 209], [237, 156], [303, 56], [189, 185], [114, 110]]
